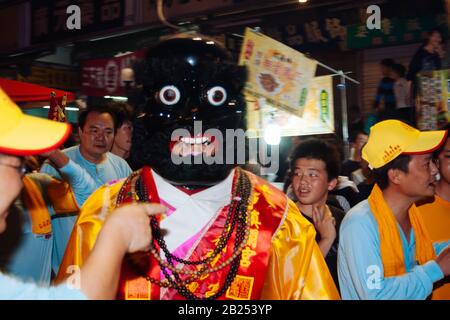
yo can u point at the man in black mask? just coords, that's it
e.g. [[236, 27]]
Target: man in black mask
[[227, 234], [194, 82]]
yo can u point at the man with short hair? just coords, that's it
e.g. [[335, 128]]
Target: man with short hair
[[86, 167], [384, 250], [436, 212], [314, 170], [96, 129], [124, 133]]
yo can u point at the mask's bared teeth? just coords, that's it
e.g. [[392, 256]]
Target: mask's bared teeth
[[198, 140]]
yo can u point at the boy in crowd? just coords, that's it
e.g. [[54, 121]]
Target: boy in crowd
[[314, 170]]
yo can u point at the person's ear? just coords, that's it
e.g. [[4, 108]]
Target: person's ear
[[332, 184], [80, 132], [395, 175]]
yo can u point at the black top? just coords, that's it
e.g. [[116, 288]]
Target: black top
[[348, 167], [349, 194], [422, 61], [365, 190], [331, 258]]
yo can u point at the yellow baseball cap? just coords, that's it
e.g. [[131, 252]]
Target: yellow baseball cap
[[23, 135], [390, 138]]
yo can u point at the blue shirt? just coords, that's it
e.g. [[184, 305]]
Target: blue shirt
[[13, 289], [31, 259], [360, 268], [386, 92], [84, 177]]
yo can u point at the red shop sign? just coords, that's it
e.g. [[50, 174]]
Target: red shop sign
[[101, 77]]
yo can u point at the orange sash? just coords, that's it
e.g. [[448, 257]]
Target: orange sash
[[266, 212], [390, 241]]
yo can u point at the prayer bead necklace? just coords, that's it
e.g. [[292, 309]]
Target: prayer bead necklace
[[237, 221]]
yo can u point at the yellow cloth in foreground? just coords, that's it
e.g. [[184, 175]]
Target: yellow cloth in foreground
[[296, 270], [436, 216], [390, 241]]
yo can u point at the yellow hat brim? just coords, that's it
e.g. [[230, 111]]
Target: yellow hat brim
[[33, 135], [427, 142]]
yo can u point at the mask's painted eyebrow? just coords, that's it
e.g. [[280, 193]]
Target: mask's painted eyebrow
[[309, 168]]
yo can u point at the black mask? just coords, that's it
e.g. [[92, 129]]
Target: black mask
[[185, 80]]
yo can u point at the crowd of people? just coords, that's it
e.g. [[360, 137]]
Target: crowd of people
[[398, 89], [376, 226]]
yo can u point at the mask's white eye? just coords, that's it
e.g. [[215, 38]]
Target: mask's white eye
[[217, 96], [169, 95]]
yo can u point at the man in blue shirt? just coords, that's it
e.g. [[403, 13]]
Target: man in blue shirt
[[128, 230], [384, 251], [86, 167]]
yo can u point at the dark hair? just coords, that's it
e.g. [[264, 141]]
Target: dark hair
[[435, 30], [381, 174], [319, 150], [353, 135], [399, 69], [354, 108], [447, 127], [122, 111], [82, 116], [438, 151], [387, 62]]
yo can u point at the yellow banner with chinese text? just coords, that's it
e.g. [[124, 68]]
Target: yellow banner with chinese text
[[318, 116], [276, 72]]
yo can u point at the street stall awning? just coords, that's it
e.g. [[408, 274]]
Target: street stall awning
[[23, 92]]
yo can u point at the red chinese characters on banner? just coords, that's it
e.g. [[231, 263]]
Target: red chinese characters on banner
[[249, 49], [101, 77]]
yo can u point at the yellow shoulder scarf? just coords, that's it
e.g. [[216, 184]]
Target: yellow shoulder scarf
[[390, 241], [35, 204], [60, 196]]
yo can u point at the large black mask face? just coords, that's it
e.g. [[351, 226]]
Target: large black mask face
[[184, 81]]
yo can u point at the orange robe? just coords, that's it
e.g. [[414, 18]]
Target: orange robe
[[436, 216], [295, 268]]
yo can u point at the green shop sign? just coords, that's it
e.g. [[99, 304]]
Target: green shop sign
[[394, 31]]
